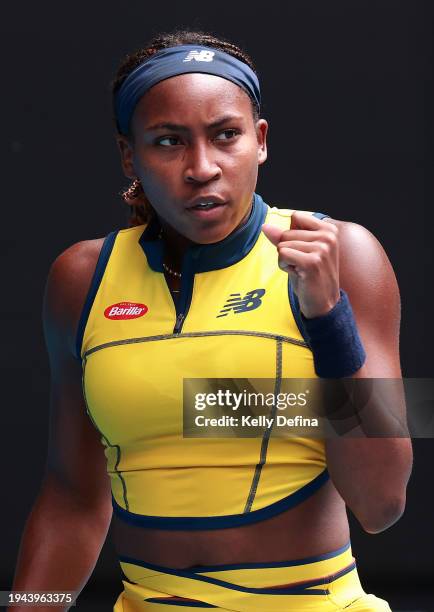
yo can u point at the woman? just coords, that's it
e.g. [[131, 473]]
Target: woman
[[195, 289]]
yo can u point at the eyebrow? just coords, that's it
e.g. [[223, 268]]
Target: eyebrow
[[184, 128]]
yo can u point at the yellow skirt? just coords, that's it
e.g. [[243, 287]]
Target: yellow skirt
[[317, 584]]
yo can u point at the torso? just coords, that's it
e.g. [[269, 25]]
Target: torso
[[316, 526]]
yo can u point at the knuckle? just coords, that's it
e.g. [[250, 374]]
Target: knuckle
[[329, 241], [329, 238], [334, 230], [282, 248], [332, 237], [316, 260], [324, 248]]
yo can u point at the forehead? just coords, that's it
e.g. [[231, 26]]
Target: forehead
[[189, 96]]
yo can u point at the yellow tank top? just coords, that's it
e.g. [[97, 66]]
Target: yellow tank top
[[236, 317]]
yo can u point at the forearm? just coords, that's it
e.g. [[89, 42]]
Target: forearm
[[371, 474], [61, 543]]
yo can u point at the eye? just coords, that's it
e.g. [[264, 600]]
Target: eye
[[168, 141], [227, 134]]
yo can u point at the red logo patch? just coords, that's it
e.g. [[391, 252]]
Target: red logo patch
[[125, 310]]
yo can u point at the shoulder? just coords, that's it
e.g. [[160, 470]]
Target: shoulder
[[362, 256], [67, 285], [367, 275], [353, 233]]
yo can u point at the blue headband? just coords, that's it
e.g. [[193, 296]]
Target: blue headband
[[180, 59]]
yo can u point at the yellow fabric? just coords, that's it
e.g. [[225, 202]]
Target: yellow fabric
[[331, 591], [133, 385]]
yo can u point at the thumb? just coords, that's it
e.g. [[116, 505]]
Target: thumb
[[272, 232]]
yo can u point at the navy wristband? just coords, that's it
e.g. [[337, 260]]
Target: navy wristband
[[335, 341]]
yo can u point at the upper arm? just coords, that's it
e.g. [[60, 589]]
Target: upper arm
[[375, 496], [76, 460], [367, 276]]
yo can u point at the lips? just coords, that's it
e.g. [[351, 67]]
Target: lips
[[214, 213], [206, 199]]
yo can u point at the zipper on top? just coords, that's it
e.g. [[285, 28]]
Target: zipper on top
[[182, 304], [178, 323]]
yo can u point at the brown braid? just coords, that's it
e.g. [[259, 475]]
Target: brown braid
[[141, 210]]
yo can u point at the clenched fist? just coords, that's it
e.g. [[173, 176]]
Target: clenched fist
[[309, 252]]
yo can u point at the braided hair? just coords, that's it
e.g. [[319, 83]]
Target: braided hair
[[141, 210]]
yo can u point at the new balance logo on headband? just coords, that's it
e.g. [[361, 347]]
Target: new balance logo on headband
[[199, 56]]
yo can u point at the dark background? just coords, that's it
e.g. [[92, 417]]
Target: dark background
[[347, 90]]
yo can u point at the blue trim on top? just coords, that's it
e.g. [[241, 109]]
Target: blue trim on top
[[203, 257], [192, 523], [206, 257], [101, 264], [295, 307]]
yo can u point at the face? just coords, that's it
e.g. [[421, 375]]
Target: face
[[195, 142]]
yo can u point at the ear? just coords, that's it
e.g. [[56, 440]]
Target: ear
[[261, 135], [126, 150]]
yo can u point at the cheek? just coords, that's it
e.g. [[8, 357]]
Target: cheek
[[242, 162], [250, 151], [247, 165], [156, 179]]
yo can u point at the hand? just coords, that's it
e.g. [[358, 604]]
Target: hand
[[309, 253]]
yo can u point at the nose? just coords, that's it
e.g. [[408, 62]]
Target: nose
[[201, 164]]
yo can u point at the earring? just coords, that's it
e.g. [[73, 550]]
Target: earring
[[133, 191]]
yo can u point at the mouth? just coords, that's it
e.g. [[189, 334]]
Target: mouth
[[205, 206], [204, 202]]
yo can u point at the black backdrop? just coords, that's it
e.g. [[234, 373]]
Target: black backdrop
[[347, 91]]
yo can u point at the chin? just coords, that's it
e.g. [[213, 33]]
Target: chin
[[209, 236]]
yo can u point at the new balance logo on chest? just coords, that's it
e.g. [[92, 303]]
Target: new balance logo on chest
[[199, 56], [238, 304]]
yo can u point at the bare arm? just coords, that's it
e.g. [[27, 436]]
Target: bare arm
[[68, 524], [371, 474]]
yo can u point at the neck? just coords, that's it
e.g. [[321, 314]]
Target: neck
[[175, 244]]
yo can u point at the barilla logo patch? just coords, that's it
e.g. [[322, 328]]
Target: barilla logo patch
[[125, 310]]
